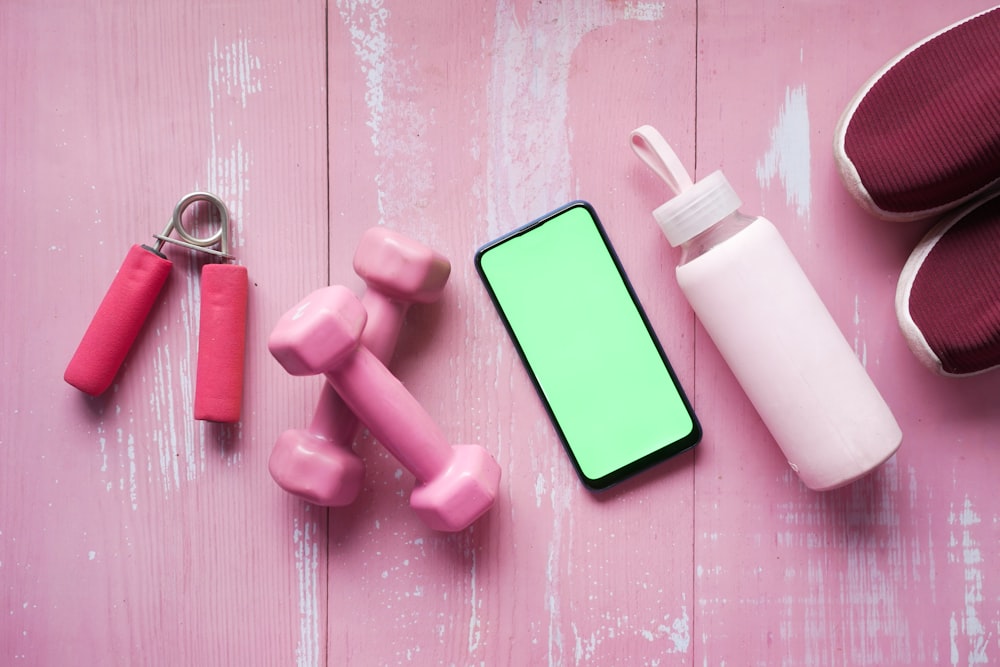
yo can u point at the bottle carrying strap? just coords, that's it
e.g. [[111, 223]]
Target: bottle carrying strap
[[695, 206], [654, 150]]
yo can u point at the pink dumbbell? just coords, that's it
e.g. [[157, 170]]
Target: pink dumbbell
[[318, 464], [455, 484]]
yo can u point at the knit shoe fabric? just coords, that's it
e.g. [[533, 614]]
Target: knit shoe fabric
[[922, 136], [948, 296]]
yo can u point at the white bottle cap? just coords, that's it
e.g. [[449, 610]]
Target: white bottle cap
[[697, 206]]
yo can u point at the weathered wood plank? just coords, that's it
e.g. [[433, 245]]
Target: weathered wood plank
[[130, 532]]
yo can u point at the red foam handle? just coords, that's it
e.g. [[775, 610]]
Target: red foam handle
[[118, 320], [218, 391]]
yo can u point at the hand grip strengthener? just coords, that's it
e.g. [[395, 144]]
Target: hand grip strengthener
[[131, 296]]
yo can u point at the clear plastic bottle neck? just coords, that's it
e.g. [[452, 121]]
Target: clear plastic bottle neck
[[724, 229]]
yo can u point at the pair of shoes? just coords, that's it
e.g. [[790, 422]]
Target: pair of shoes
[[921, 139]]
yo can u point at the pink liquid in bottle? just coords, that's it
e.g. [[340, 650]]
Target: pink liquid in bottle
[[769, 324]]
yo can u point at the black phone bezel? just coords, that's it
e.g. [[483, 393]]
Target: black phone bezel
[[638, 465]]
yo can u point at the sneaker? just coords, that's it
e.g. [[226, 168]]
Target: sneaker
[[948, 297], [922, 136]]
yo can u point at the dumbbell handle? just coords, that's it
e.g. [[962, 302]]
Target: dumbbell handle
[[394, 417], [332, 419]]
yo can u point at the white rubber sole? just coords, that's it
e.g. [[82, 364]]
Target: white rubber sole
[[911, 332]]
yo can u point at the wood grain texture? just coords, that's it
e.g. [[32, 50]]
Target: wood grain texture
[[132, 534]]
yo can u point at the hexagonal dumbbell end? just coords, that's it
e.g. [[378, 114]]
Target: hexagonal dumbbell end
[[399, 267], [461, 493], [321, 470], [319, 332]]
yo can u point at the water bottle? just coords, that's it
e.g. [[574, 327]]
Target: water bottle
[[772, 329]]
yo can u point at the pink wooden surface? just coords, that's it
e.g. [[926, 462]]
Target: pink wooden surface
[[131, 534]]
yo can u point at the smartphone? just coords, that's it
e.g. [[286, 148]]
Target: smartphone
[[587, 344]]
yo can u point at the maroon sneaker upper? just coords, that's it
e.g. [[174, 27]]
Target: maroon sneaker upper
[[927, 133], [955, 297]]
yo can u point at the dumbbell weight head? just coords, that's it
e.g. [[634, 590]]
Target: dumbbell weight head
[[320, 471], [319, 332], [400, 268], [465, 491]]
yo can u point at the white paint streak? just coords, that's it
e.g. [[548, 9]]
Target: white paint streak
[[103, 442], [399, 125], [304, 538], [529, 152], [365, 21], [475, 627], [233, 76], [789, 155], [128, 482], [233, 71], [644, 11], [860, 346], [133, 487], [560, 497], [126, 467], [967, 624], [866, 589], [227, 178], [678, 631], [178, 452], [163, 409], [673, 634], [539, 489], [879, 629]]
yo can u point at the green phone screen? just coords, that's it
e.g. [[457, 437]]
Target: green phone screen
[[587, 345]]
